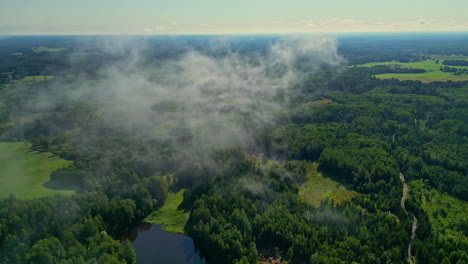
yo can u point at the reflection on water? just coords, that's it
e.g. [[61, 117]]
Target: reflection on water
[[154, 245]]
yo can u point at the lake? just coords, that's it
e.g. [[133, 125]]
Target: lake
[[154, 245]]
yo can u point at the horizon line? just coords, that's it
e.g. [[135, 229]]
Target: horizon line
[[244, 34]]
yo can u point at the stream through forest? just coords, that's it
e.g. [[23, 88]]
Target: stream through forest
[[415, 220]]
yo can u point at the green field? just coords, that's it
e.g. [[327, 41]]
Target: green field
[[446, 213], [38, 78], [318, 188], [170, 216], [448, 57], [23, 172], [436, 76], [46, 49], [433, 71], [428, 65], [5, 125]]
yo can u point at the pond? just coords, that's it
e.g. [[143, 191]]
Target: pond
[[154, 245]]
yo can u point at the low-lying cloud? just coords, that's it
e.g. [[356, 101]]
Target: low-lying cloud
[[207, 99]]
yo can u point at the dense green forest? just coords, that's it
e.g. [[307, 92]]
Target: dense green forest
[[242, 189]]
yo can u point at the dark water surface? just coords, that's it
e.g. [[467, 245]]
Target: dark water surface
[[154, 245]]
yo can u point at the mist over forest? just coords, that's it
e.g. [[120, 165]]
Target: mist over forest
[[345, 148]]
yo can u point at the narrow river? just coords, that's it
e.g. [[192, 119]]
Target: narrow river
[[154, 245], [415, 220]]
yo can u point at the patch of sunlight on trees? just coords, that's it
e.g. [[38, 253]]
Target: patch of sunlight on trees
[[447, 214]]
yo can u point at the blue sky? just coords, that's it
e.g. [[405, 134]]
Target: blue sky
[[229, 16]]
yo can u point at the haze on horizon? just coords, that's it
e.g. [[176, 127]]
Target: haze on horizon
[[55, 17]]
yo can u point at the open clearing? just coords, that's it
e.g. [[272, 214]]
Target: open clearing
[[318, 188], [448, 57], [5, 125], [23, 172], [428, 65], [37, 78], [170, 216], [47, 49], [437, 76], [433, 71]]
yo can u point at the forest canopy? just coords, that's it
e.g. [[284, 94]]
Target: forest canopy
[[239, 126]]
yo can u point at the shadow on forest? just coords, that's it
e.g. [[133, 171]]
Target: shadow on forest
[[60, 185]]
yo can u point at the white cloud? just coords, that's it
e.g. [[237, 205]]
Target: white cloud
[[155, 29], [11, 29], [277, 22], [356, 25]]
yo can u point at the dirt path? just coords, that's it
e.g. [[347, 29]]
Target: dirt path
[[413, 233], [405, 191], [415, 220]]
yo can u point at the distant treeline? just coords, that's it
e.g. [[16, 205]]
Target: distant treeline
[[381, 69], [455, 62], [404, 48], [456, 71]]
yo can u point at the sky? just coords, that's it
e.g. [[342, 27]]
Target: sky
[[56, 17]]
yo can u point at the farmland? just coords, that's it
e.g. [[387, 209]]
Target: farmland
[[436, 76], [38, 78], [47, 49], [432, 73]]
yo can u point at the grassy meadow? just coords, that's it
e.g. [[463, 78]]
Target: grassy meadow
[[37, 78], [448, 57], [437, 76], [23, 172], [5, 125], [318, 188], [433, 71], [47, 49], [170, 216]]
